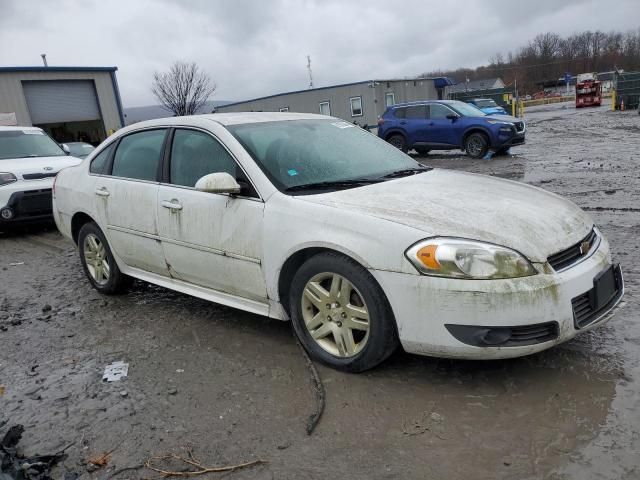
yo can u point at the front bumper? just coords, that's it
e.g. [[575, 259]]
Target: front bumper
[[26, 202], [427, 307]]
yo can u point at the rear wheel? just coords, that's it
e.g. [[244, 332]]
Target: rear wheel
[[98, 262], [340, 313], [399, 142], [476, 145]]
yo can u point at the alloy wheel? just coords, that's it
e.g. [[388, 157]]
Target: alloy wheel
[[96, 259], [335, 314]]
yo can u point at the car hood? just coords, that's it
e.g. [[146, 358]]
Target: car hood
[[504, 118], [446, 203], [32, 165], [493, 110]]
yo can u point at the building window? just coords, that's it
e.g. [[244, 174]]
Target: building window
[[389, 99], [325, 108], [356, 106], [284, 109]]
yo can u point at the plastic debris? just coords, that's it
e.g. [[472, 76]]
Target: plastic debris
[[16, 264], [115, 371]]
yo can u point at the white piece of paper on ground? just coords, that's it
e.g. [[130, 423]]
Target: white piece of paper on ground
[[115, 371]]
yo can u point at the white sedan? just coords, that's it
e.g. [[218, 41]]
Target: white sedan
[[309, 218]]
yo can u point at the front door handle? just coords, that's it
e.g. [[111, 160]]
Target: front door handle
[[102, 192], [171, 205], [403, 123]]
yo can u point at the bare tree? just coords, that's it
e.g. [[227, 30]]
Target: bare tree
[[184, 89]]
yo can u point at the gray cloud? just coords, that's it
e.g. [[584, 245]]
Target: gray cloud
[[253, 48]]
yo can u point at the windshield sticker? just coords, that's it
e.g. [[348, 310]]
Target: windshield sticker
[[292, 172], [33, 132], [342, 125]]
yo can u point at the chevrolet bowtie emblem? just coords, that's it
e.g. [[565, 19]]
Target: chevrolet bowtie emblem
[[584, 247]]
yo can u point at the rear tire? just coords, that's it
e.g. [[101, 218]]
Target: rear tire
[[98, 262], [399, 142], [476, 145], [340, 314]]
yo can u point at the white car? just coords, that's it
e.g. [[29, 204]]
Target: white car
[[306, 217], [29, 161]]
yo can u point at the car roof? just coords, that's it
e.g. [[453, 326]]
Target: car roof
[[226, 119], [14, 128], [425, 102]]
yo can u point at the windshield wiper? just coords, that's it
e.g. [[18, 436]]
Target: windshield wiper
[[332, 184], [405, 172]]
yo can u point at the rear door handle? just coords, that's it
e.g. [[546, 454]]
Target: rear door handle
[[403, 123], [102, 192], [171, 205]]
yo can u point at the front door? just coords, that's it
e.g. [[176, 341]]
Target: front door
[[126, 196], [211, 240], [440, 128]]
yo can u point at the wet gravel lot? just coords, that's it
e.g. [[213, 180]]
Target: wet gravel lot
[[234, 386]]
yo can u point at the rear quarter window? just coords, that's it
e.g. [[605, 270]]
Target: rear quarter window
[[99, 162], [400, 112]]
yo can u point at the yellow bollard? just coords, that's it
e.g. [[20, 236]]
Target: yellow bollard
[[521, 109], [513, 107], [613, 100]]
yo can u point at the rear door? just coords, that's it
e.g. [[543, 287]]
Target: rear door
[[211, 240], [126, 196], [416, 123]]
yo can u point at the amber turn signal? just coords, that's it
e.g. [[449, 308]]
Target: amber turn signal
[[427, 255]]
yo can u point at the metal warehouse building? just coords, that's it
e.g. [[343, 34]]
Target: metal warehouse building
[[69, 103], [360, 102]]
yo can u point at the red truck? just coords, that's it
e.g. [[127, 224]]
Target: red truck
[[588, 90]]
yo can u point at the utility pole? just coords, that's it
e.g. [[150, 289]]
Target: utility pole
[[44, 59], [309, 68]]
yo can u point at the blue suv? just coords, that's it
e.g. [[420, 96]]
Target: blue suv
[[448, 125]]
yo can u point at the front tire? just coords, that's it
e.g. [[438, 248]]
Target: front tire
[[98, 262], [399, 142], [476, 145], [340, 314]]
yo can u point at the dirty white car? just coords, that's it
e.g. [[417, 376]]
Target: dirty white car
[[308, 218]]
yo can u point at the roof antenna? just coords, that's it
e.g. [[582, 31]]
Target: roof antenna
[[309, 68], [44, 59]]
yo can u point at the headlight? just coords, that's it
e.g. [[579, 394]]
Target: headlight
[[460, 258], [499, 122], [7, 178]]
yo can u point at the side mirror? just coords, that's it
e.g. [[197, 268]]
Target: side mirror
[[220, 182], [66, 149], [452, 116]]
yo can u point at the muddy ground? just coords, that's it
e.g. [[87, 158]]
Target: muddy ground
[[235, 385]]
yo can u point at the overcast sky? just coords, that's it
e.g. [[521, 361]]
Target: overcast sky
[[258, 47]]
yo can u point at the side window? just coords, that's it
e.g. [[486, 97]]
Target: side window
[[438, 112], [138, 155], [389, 99], [325, 108], [195, 154], [400, 112], [100, 161], [417, 112]]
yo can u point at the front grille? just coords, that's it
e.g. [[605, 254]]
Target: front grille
[[532, 334], [38, 176], [584, 310], [519, 126], [574, 253]]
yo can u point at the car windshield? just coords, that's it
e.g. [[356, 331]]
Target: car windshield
[[80, 149], [27, 144], [467, 110], [485, 103], [297, 153]]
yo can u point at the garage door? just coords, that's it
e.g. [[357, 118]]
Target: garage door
[[61, 101]]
